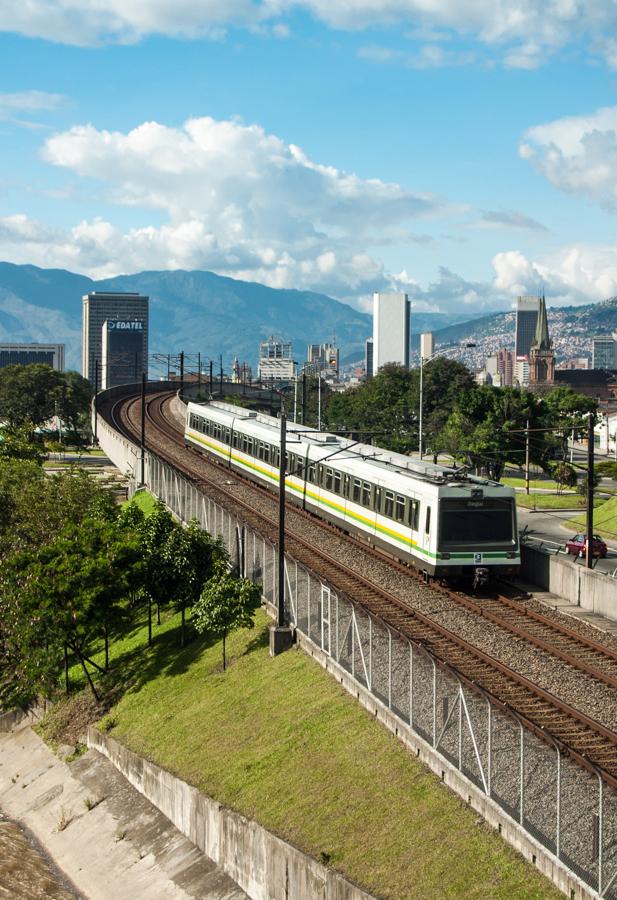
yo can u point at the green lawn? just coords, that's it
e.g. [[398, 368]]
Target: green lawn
[[144, 500], [535, 483], [280, 741], [553, 501], [604, 520]]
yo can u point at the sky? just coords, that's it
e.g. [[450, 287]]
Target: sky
[[464, 151]]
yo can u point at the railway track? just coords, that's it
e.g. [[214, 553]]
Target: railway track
[[591, 743]]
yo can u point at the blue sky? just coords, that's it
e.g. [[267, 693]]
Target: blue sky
[[464, 151]]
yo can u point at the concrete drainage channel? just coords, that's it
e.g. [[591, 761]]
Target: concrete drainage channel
[[261, 864]]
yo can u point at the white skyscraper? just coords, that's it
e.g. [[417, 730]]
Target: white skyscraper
[[391, 323], [427, 344]]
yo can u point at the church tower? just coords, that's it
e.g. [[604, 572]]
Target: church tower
[[541, 354]]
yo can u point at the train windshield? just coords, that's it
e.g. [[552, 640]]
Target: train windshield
[[470, 522]]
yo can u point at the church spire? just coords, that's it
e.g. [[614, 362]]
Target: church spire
[[541, 340]]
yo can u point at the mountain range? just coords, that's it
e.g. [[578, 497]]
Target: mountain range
[[191, 311], [207, 313]]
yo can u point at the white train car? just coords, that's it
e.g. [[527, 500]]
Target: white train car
[[446, 523]]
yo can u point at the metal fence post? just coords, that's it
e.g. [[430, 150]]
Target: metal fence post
[[558, 809], [410, 684], [522, 775], [434, 703], [389, 669], [489, 725]]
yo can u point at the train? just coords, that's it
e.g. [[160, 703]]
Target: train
[[445, 522]]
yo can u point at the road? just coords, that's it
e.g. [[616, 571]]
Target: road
[[548, 525]]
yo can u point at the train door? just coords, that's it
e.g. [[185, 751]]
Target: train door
[[428, 524]]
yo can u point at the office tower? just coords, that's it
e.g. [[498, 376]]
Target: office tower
[[26, 354], [368, 357], [100, 307], [122, 352], [391, 321], [501, 364], [322, 358], [527, 309], [520, 374], [427, 344], [604, 352], [275, 360]]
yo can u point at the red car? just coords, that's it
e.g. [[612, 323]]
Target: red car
[[578, 546]]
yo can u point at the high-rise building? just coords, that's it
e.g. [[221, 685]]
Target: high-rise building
[[520, 374], [391, 322], [427, 344], [100, 307], [322, 359], [527, 309], [26, 354], [368, 358], [122, 352], [501, 366], [604, 352], [276, 360]]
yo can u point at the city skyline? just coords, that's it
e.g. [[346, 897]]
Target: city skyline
[[446, 155]]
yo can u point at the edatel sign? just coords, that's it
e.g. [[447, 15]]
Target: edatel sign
[[125, 326]]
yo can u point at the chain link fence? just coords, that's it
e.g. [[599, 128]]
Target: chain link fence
[[568, 810]]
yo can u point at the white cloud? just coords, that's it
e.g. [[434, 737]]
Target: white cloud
[[238, 200], [25, 103], [507, 218], [526, 30], [577, 154]]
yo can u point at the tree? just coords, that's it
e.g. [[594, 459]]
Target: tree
[[226, 603], [73, 399], [28, 394], [158, 580], [564, 474], [190, 554]]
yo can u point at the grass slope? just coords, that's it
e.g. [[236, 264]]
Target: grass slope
[[280, 741], [604, 520]]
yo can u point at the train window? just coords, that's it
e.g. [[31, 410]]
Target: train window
[[299, 467], [427, 526], [399, 511], [377, 501], [356, 490], [366, 493], [311, 474], [337, 482], [227, 436], [389, 505], [329, 479], [276, 458], [414, 514]]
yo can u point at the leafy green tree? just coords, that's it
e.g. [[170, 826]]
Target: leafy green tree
[[564, 474], [16, 443], [158, 582], [226, 603], [72, 400], [28, 394], [190, 554]]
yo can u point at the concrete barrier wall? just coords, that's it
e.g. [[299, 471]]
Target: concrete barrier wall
[[568, 578], [15, 717], [263, 865]]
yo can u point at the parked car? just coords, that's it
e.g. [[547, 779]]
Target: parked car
[[578, 546]]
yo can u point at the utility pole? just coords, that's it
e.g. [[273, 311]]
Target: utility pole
[[198, 371], [96, 391], [143, 428], [181, 372], [527, 443], [211, 364], [589, 536], [281, 634], [304, 398], [221, 362]]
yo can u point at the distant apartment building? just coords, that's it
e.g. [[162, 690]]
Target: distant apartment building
[[322, 359], [368, 358], [276, 360], [391, 324], [501, 367], [100, 307], [577, 362], [520, 374], [427, 344], [604, 352], [242, 373], [122, 352], [527, 309], [27, 354]]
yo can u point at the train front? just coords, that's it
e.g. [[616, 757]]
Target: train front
[[477, 533]]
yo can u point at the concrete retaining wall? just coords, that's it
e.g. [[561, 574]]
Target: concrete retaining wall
[[565, 576], [15, 717], [263, 865]]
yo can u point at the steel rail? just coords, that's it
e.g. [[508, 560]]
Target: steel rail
[[584, 739]]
